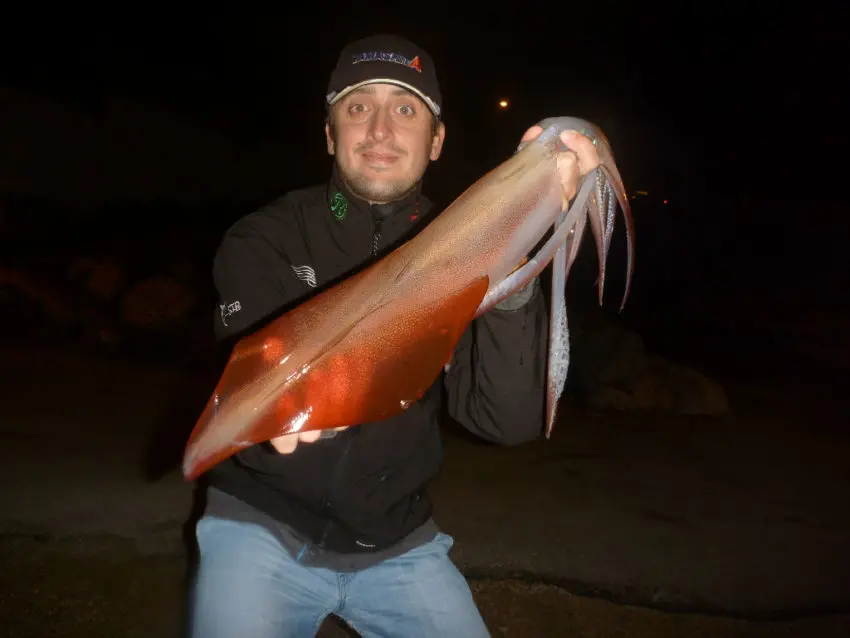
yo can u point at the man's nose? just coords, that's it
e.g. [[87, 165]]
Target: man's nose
[[381, 125]]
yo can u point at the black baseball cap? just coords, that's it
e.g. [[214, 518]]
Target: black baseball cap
[[388, 59]]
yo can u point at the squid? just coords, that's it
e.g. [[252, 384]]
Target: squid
[[370, 346]]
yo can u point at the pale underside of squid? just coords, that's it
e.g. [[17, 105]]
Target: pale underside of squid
[[368, 347]]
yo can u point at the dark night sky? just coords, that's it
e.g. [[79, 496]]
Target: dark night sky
[[697, 70], [695, 74], [706, 103]]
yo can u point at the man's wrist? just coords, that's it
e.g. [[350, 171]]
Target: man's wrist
[[519, 298]]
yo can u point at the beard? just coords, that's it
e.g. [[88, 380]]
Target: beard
[[380, 192]]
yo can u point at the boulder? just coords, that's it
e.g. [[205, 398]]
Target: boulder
[[102, 279], [611, 370], [157, 303]]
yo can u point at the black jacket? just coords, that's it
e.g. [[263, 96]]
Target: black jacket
[[364, 489]]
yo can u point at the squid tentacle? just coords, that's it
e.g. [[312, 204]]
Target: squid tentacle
[[616, 185], [559, 336]]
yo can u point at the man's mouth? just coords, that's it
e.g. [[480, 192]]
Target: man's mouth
[[382, 159]]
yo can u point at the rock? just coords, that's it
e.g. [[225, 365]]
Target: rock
[[54, 303], [651, 391], [697, 394], [606, 397], [606, 354], [612, 371], [157, 303], [99, 278]]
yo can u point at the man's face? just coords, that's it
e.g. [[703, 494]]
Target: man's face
[[383, 139]]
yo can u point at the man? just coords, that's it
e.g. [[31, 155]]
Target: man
[[339, 522]]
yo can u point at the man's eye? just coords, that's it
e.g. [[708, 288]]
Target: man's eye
[[406, 110]]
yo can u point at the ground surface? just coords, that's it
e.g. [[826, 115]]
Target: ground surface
[[621, 525]]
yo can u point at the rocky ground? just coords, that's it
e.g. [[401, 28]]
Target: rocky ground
[[105, 587], [626, 523]]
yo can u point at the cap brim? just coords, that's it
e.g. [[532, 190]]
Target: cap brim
[[334, 98]]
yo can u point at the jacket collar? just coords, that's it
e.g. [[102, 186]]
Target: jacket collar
[[342, 202]]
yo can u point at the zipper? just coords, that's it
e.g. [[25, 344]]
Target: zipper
[[340, 466], [377, 223]]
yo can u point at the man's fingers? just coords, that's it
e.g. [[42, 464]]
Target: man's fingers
[[531, 133], [309, 436], [285, 444], [568, 169], [581, 145], [585, 151]]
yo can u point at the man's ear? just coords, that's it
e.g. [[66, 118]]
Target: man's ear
[[329, 138], [437, 141]]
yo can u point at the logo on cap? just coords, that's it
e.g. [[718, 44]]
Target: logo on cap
[[382, 56]]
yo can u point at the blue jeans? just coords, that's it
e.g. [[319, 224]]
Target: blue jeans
[[248, 585]]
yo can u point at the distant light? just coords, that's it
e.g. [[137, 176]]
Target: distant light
[[665, 201], [503, 104]]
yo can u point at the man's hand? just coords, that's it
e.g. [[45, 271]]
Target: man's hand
[[287, 443], [573, 164]]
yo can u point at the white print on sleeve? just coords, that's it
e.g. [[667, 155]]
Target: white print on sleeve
[[229, 309], [306, 274]]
